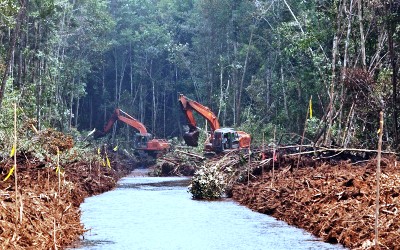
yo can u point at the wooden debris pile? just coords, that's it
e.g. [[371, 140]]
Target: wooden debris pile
[[178, 163], [42, 144], [328, 192], [51, 139], [333, 201], [215, 177]]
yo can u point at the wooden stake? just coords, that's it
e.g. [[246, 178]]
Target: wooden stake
[[273, 159], [248, 169], [263, 152], [378, 175], [59, 172], [15, 163], [302, 137], [54, 234]]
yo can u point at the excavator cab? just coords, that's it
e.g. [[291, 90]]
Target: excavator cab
[[220, 139], [141, 140], [144, 143], [225, 139]]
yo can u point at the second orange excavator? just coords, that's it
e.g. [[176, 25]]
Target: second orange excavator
[[144, 143], [221, 139]]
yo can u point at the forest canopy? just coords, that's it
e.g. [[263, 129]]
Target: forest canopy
[[324, 67]]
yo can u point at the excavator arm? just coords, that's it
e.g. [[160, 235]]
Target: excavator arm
[[124, 117], [221, 139], [143, 141], [191, 138]]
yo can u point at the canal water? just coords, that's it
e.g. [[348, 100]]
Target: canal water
[[158, 213]]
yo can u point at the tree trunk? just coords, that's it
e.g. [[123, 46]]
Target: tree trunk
[[116, 76], [346, 46], [221, 93], [268, 94], [103, 92], [332, 91], [393, 59], [285, 105], [153, 90], [362, 36], [10, 53], [131, 70], [238, 109], [226, 104], [71, 103], [121, 79], [235, 82], [76, 111], [141, 102], [39, 95], [164, 110], [91, 113]]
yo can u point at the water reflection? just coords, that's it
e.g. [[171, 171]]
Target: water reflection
[[158, 213]]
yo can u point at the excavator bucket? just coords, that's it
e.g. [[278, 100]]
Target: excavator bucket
[[97, 134], [192, 138]]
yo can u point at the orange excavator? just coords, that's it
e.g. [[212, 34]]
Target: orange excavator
[[143, 141], [220, 139]]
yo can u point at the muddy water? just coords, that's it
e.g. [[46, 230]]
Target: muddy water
[[158, 213]]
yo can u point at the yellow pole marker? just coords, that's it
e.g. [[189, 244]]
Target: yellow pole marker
[[13, 168], [108, 162], [310, 107], [9, 173], [98, 151], [12, 151], [58, 160]]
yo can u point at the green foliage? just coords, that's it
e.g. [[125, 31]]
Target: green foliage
[[8, 10], [260, 132], [207, 183], [7, 119], [312, 127], [90, 56], [203, 137], [252, 126]]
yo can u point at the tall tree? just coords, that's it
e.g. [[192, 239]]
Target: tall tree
[[12, 43]]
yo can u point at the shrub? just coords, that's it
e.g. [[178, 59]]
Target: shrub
[[207, 183]]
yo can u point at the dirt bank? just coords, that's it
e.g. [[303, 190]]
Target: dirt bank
[[333, 201], [47, 215]]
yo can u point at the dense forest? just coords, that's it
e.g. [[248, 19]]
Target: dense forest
[[319, 67]]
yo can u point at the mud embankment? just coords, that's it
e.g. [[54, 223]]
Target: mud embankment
[[333, 201], [46, 214]]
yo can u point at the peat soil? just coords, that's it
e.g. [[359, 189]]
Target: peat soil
[[333, 200], [46, 214]]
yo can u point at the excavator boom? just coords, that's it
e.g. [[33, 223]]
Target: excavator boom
[[143, 141], [220, 139], [124, 117], [192, 137], [189, 105]]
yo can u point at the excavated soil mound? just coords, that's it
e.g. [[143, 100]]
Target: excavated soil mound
[[46, 214], [333, 201]]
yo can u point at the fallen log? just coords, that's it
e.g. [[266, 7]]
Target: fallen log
[[341, 150], [191, 154]]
